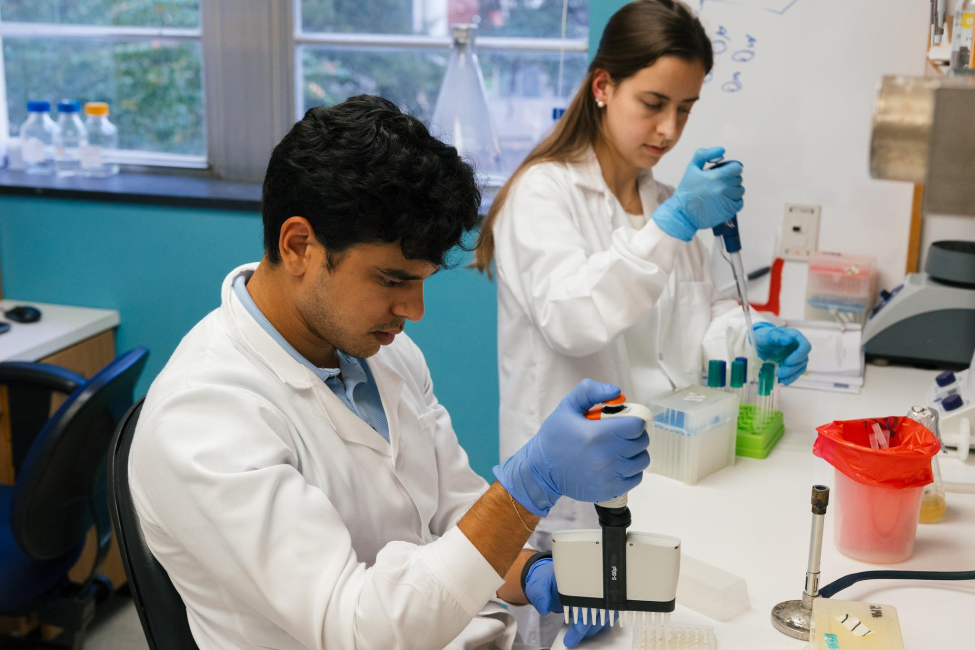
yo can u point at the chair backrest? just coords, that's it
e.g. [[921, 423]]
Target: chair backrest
[[160, 607], [30, 386], [55, 496]]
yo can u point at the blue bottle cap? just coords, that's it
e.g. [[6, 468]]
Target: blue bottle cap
[[945, 378], [716, 373], [952, 402], [739, 374], [68, 106], [39, 107]]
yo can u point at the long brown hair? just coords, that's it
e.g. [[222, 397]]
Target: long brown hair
[[635, 37]]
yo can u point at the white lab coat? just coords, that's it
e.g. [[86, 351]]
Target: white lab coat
[[285, 521], [582, 293]]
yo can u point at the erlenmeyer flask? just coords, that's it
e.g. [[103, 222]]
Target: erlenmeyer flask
[[461, 116]]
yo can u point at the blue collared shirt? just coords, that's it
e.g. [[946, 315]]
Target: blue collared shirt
[[352, 381]]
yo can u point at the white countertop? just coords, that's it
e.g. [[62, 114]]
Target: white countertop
[[59, 327], [754, 519]]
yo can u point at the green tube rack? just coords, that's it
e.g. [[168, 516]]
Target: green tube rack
[[753, 441]]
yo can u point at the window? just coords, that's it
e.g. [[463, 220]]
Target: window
[[399, 49], [265, 63], [143, 57]]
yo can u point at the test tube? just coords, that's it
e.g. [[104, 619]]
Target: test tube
[[739, 379], [717, 369], [765, 381]]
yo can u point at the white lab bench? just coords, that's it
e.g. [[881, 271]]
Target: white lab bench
[[753, 519], [59, 328]]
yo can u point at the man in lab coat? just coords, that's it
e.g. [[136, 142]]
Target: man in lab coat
[[292, 468]]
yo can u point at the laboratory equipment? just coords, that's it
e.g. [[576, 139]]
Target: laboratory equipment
[[739, 381], [794, 617], [712, 591], [682, 636], [961, 441], [947, 384], [930, 318], [647, 574], [102, 142], [613, 573], [878, 490], [461, 116], [875, 524], [961, 37], [952, 387], [933, 504], [841, 288], [717, 374], [730, 235], [854, 625], [760, 422], [938, 8], [766, 382], [37, 138], [694, 433], [649, 634], [69, 139], [923, 132]]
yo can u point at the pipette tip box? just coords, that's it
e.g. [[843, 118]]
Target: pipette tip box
[[756, 439], [694, 433]]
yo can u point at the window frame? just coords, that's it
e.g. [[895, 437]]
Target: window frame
[[243, 41], [111, 33]]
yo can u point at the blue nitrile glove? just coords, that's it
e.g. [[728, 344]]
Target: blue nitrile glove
[[787, 347], [704, 199], [585, 460], [543, 594]]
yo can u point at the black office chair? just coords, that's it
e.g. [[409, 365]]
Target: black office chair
[[160, 607], [59, 493]]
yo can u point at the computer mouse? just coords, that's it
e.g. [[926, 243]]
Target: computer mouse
[[24, 314]]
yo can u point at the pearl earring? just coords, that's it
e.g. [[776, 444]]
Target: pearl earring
[[600, 103]]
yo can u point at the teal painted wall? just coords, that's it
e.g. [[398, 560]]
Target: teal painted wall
[[600, 11], [161, 268]]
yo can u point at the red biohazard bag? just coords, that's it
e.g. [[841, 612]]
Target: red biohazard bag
[[905, 463]]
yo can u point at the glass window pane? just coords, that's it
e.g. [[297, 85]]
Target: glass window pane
[[528, 18], [410, 78], [154, 88], [522, 90], [521, 86], [139, 13]]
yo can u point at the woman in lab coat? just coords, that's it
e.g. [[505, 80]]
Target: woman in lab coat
[[599, 273]]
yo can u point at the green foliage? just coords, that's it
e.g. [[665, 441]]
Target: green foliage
[[145, 13], [409, 78], [154, 89]]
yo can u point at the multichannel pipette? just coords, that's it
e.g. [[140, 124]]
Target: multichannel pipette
[[612, 573], [729, 233]]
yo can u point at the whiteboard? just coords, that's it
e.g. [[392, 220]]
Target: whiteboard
[[791, 96]]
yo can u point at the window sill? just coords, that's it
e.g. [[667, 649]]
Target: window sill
[[151, 189]]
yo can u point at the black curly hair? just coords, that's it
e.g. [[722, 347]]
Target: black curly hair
[[363, 171]]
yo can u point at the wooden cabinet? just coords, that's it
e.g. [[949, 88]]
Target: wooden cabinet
[[79, 350]]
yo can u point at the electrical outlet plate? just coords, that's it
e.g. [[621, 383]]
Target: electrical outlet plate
[[800, 232]]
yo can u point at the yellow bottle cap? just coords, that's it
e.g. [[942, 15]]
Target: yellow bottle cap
[[96, 108]]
